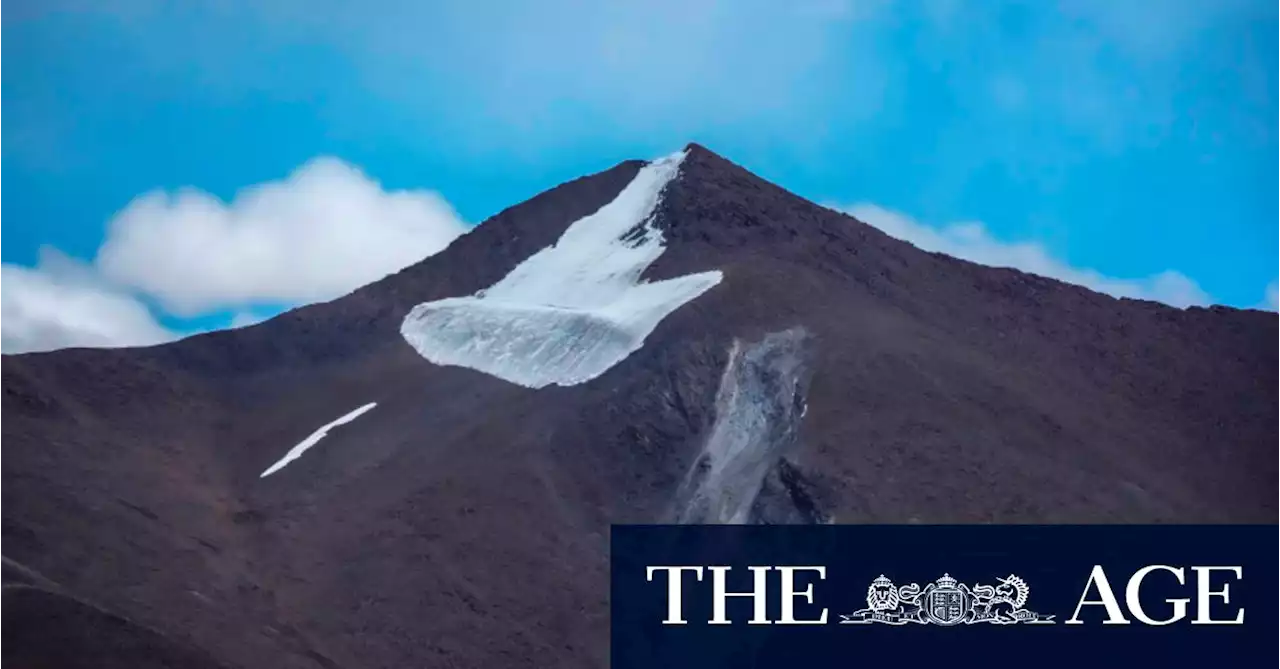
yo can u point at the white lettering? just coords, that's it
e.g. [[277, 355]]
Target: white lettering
[[1203, 593], [1133, 595], [675, 597], [758, 594], [1098, 578], [789, 595]]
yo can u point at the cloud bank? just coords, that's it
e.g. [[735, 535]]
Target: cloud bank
[[60, 303], [971, 241], [1271, 301], [318, 234]]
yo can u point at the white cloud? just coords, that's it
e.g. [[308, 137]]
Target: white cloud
[[971, 241], [60, 303], [1272, 299], [243, 319], [325, 230]]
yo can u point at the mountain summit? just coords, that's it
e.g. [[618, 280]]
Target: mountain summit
[[423, 472]]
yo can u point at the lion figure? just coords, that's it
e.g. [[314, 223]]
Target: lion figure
[[882, 595]]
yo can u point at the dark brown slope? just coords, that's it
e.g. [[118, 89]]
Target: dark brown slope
[[45, 628], [463, 521], [952, 391]]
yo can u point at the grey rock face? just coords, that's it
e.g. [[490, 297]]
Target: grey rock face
[[759, 407]]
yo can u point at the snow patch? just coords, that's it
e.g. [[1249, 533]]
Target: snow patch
[[297, 451], [572, 310]]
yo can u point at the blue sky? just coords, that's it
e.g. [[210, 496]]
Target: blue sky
[[1130, 146]]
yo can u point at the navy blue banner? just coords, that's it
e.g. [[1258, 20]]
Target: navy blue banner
[[946, 596]]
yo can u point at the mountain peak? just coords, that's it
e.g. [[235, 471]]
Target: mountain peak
[[698, 155], [694, 147], [632, 346]]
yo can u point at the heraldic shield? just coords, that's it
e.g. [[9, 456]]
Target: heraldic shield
[[947, 602]]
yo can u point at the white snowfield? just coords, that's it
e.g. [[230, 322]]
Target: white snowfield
[[572, 310], [297, 451]]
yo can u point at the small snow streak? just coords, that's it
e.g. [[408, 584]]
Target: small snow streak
[[297, 451], [572, 310]]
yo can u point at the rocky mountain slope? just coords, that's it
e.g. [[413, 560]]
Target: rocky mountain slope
[[829, 374]]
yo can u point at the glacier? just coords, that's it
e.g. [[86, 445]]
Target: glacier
[[571, 311], [760, 405], [297, 451]]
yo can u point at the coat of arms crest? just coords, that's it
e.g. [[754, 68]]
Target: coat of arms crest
[[947, 602]]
